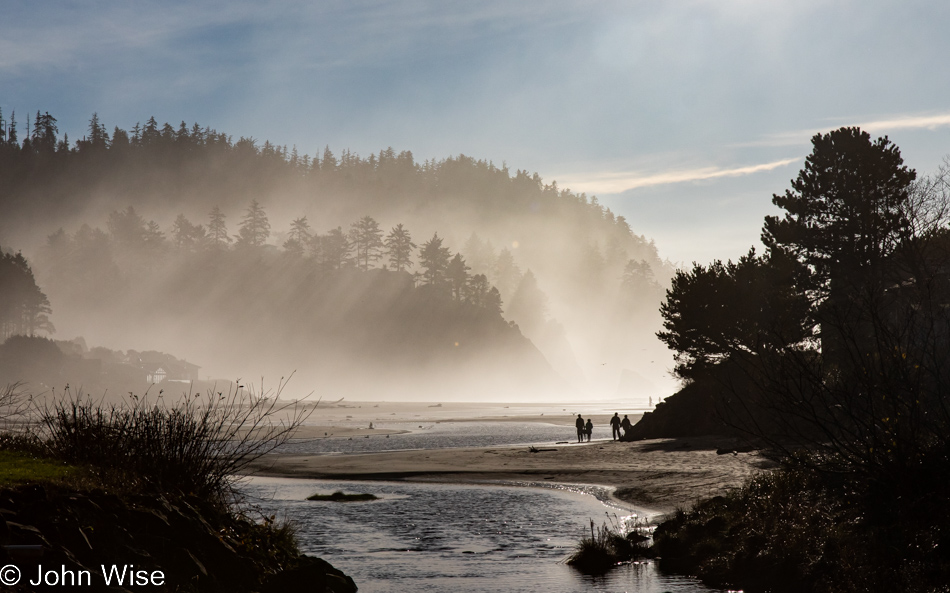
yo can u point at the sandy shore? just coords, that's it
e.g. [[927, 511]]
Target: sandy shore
[[659, 475], [361, 413]]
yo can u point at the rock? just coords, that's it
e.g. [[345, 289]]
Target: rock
[[312, 575]]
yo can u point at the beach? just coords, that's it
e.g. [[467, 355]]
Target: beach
[[660, 475]]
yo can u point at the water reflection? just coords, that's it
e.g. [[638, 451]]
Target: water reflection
[[455, 538]]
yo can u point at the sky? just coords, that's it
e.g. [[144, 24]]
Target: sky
[[685, 116]]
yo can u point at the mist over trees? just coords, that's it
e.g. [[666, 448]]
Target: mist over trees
[[129, 214]]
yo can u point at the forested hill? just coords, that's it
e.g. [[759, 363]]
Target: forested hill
[[145, 204]]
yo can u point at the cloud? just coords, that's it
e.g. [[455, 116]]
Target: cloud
[[930, 122], [611, 182], [350, 31], [877, 126], [106, 30]]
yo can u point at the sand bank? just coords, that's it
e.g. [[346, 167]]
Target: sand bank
[[660, 475]]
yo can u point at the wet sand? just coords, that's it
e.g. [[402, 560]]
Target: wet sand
[[659, 475], [364, 412]]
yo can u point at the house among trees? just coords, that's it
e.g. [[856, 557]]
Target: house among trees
[[159, 367], [156, 377]]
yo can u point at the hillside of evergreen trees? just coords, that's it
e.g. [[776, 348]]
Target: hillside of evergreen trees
[[225, 251]]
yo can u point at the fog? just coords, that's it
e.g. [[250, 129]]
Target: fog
[[297, 272]]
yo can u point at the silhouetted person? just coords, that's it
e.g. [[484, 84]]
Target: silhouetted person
[[589, 428], [615, 426], [625, 425], [579, 423]]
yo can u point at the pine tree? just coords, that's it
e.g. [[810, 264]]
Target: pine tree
[[254, 228], [11, 132], [120, 139], [44, 133], [24, 309], [153, 237], [399, 248], [457, 276], [183, 136], [493, 301], [476, 292], [299, 237], [182, 232], [98, 138], [329, 161], [434, 259], [479, 254], [127, 227], [367, 238], [150, 133], [638, 282], [847, 209], [505, 273], [217, 229], [331, 251]]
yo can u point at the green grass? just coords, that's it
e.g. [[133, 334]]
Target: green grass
[[341, 497], [16, 468]]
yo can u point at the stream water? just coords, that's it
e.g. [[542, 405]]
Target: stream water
[[439, 538]]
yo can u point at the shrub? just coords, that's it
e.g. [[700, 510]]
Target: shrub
[[14, 401], [194, 446], [796, 530], [607, 547]]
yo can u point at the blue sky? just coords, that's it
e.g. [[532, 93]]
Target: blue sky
[[685, 116]]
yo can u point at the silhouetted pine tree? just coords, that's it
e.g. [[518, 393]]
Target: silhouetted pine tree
[[299, 237], [434, 260], [399, 248], [24, 309], [367, 239], [254, 228], [456, 274], [217, 229]]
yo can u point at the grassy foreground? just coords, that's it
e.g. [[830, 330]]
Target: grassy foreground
[[151, 484], [18, 467]]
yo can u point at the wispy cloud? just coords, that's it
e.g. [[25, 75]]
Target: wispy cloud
[[877, 126], [611, 182], [930, 122], [360, 30]]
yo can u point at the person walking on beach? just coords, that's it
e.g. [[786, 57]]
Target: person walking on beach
[[615, 426], [579, 423], [589, 429], [625, 425]]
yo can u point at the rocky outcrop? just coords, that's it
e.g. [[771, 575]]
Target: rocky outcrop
[[690, 412], [129, 542]]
